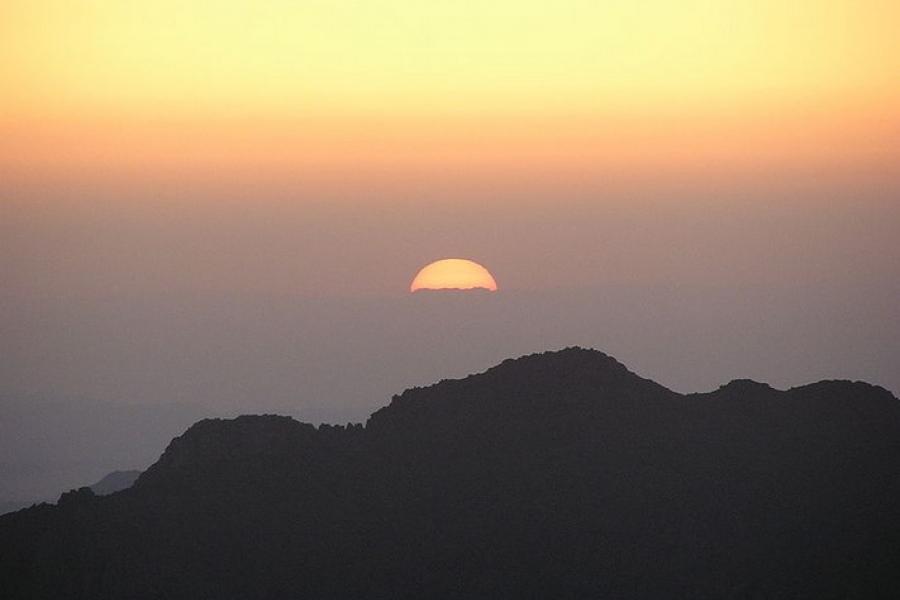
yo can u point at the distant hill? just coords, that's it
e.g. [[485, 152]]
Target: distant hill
[[115, 482], [111, 483], [555, 475], [47, 443]]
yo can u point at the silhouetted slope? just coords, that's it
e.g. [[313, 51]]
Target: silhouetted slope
[[111, 483], [8, 506], [115, 482], [556, 475]]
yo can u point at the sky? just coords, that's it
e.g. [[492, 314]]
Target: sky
[[213, 208]]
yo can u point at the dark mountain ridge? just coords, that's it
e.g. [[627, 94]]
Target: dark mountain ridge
[[114, 482], [560, 474]]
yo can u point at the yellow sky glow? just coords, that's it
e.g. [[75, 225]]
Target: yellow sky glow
[[421, 83]]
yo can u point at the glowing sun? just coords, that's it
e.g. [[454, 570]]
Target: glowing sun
[[453, 274]]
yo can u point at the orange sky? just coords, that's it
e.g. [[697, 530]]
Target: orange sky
[[101, 87]]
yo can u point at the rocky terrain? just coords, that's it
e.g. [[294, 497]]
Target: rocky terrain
[[555, 475]]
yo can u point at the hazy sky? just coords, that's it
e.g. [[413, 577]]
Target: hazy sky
[[212, 208]]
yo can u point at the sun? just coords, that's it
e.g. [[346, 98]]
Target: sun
[[453, 274]]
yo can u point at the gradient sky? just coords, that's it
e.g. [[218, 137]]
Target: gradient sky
[[394, 85], [209, 208]]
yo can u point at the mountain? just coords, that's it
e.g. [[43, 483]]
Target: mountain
[[48, 443], [555, 475], [115, 482], [111, 483], [8, 506]]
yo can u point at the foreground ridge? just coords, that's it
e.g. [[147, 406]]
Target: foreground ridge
[[559, 474]]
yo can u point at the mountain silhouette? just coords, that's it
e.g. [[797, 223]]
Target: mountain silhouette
[[555, 475], [114, 482], [110, 483]]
